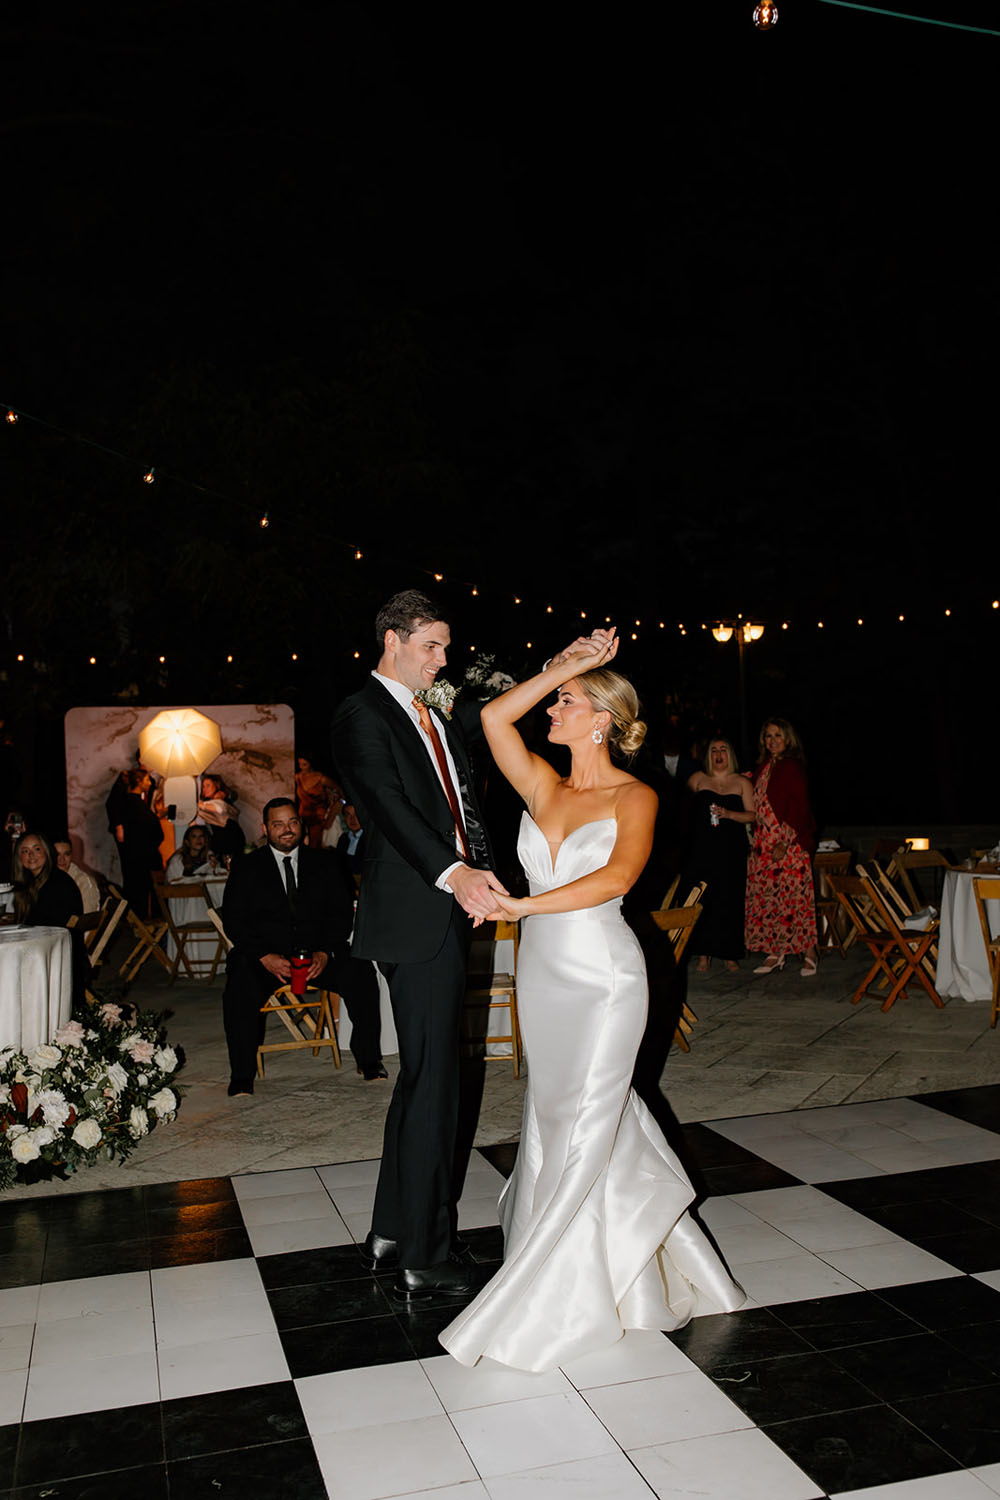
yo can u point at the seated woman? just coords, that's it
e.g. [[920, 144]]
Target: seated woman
[[194, 857], [45, 896]]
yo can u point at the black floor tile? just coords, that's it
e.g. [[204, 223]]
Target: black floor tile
[[986, 1209], [194, 1247], [328, 1302], [486, 1243], [502, 1156], [197, 1190], [867, 1194], [146, 1483], [65, 1261], [344, 1346], [748, 1177], [922, 1364], [978, 1106], [834, 1322], [279, 1471], [193, 1218], [72, 1447], [964, 1423], [721, 1339], [858, 1449], [297, 1267], [194, 1426], [22, 1267], [8, 1453], [950, 1303], [710, 1148], [978, 1341], [422, 1329], [924, 1217], [968, 1249], [796, 1385]]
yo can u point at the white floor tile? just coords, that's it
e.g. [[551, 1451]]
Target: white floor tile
[[478, 1213], [126, 1292], [182, 1285], [640, 1355], [707, 1467], [12, 1388], [991, 1278], [814, 1161], [92, 1337], [609, 1477], [487, 1383], [753, 1242], [15, 1346], [202, 1322], [69, 1386], [770, 1282], [270, 1184], [665, 1409], [287, 1208], [306, 1234], [475, 1489], [779, 1205], [717, 1212], [359, 1199], [908, 1156], [889, 1265], [193, 1369], [958, 1485], [988, 1474], [347, 1399], [348, 1174], [531, 1434], [371, 1462], [18, 1304], [839, 1229]]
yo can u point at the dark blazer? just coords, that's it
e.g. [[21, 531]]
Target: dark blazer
[[409, 831], [257, 915]]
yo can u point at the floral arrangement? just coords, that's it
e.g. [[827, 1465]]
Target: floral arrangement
[[481, 674], [102, 1083]]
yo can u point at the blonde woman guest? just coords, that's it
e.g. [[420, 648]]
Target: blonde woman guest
[[781, 902]]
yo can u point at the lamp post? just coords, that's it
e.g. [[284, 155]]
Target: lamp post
[[745, 632]]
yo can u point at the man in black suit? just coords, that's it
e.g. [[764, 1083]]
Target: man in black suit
[[280, 899], [425, 873]]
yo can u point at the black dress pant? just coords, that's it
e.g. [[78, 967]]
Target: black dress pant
[[248, 985], [422, 1168]]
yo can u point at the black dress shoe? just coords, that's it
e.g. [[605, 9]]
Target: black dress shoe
[[444, 1283], [239, 1086], [372, 1074], [379, 1254]]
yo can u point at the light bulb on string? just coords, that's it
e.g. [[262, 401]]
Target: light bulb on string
[[357, 655], [475, 593], [765, 15], [901, 619], [517, 601], [229, 658], [357, 555], [162, 660], [548, 609], [995, 604], [439, 578], [149, 477], [295, 656], [12, 417], [264, 521], [20, 656], [93, 661]]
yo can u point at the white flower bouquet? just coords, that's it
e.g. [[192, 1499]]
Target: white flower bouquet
[[102, 1083]]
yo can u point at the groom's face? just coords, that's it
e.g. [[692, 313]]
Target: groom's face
[[419, 658]]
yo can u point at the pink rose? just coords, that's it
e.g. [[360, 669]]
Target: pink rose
[[142, 1052], [112, 1014]]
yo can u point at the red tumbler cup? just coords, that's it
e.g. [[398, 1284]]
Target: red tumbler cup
[[301, 964]]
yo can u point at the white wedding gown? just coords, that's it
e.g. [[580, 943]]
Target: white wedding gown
[[596, 1231]]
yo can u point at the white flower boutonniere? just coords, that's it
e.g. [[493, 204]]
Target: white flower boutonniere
[[441, 695]]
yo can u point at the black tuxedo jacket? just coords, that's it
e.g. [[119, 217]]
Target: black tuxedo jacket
[[258, 916], [409, 830]]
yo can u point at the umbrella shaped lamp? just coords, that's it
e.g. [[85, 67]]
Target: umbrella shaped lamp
[[179, 744]]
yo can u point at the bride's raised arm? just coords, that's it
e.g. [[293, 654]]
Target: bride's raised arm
[[524, 770]]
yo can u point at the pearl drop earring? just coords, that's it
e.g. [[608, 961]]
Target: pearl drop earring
[[597, 736]]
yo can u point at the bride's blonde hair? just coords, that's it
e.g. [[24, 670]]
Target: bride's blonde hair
[[612, 693]]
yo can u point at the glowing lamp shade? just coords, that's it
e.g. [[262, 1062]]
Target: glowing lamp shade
[[179, 742], [919, 843], [722, 632]]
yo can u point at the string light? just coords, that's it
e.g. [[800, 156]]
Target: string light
[[229, 658], [357, 655], [295, 656], [439, 578], [784, 624], [162, 660], [12, 418], [861, 622], [149, 477], [765, 16], [516, 600], [548, 609], [20, 656], [93, 661], [996, 604], [948, 612], [264, 521], [819, 624], [901, 619], [357, 555], [475, 593]]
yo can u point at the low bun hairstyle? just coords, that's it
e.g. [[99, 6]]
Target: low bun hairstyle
[[611, 693]]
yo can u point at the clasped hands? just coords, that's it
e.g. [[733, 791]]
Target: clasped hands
[[588, 651], [281, 967]]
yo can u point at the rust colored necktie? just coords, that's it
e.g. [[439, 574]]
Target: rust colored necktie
[[430, 729]]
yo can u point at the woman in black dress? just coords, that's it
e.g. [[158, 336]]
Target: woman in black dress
[[723, 806]]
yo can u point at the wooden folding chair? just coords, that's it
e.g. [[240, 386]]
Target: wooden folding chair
[[678, 923], [148, 936], [887, 849], [184, 933], [295, 1012], [828, 908], [498, 991], [901, 908], [897, 955], [987, 888], [668, 899], [112, 911], [906, 860]]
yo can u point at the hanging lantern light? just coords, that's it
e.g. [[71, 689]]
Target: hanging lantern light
[[765, 16]]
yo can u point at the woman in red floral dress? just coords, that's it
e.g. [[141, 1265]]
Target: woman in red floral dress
[[781, 903]]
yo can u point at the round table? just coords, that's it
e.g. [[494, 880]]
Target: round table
[[36, 984], [963, 971]]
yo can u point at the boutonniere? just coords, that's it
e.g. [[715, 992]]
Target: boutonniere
[[440, 696]]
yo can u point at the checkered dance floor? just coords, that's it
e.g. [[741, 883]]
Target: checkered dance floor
[[220, 1338]]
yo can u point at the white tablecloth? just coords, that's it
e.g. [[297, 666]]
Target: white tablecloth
[[36, 984], [962, 968], [201, 949]]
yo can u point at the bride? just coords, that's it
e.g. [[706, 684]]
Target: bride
[[597, 1237]]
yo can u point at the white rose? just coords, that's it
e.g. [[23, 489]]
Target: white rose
[[138, 1122], [44, 1056], [44, 1135], [165, 1059], [70, 1035], [142, 1079], [117, 1078], [164, 1104], [25, 1147], [14, 1131], [87, 1133], [55, 1110], [128, 1042]]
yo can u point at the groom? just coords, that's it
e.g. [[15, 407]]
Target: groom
[[425, 876]]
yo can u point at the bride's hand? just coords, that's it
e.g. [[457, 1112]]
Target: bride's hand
[[588, 651], [509, 909]]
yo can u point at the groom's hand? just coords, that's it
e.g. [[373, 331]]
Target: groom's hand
[[473, 890]]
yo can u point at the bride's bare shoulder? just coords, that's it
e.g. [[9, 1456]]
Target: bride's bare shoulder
[[632, 792]]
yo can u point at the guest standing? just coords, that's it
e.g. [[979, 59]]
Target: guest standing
[[139, 846], [723, 806], [781, 903]]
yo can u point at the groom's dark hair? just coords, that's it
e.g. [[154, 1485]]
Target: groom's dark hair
[[404, 613]]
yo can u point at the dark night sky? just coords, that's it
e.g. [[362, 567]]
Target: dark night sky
[[646, 314]]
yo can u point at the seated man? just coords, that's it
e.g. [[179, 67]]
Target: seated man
[[86, 883], [282, 898]]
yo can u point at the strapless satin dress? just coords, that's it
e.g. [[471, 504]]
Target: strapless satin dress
[[597, 1237]]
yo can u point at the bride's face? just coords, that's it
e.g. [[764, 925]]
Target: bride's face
[[571, 716]]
